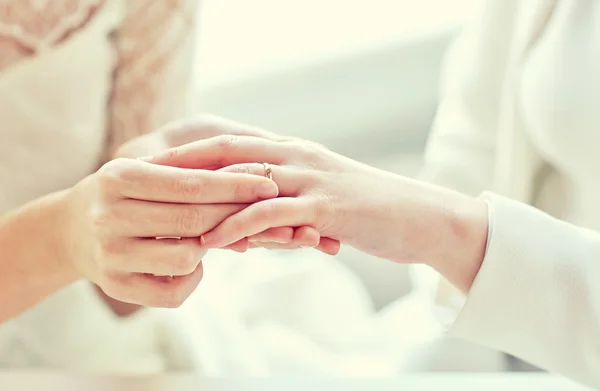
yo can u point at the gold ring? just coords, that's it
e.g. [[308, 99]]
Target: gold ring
[[268, 171]]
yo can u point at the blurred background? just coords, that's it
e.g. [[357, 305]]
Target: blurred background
[[360, 77]]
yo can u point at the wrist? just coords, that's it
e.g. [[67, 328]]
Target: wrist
[[30, 254], [51, 220], [410, 221], [60, 211], [464, 226]]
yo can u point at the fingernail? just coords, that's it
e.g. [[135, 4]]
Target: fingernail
[[267, 190], [206, 239]]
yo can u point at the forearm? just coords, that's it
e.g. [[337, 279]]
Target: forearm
[[30, 261], [421, 223]]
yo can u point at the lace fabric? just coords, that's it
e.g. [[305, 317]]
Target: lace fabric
[[153, 46], [28, 27]]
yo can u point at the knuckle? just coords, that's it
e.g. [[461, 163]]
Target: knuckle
[[243, 190], [191, 219], [112, 174], [226, 141], [174, 297], [184, 263], [323, 208], [172, 153], [112, 286], [100, 217], [309, 148], [304, 149], [112, 247], [239, 169], [188, 186]]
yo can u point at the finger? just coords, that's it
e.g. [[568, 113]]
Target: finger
[[274, 235], [152, 291], [241, 246], [299, 238], [277, 235], [289, 181], [306, 236], [326, 245], [222, 151], [258, 217], [136, 179], [329, 246], [207, 126], [289, 239], [161, 257], [152, 219], [271, 235]]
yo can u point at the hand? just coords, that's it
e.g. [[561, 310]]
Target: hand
[[377, 212], [186, 131], [112, 220]]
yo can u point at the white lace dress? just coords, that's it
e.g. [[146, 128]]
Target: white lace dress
[[77, 79]]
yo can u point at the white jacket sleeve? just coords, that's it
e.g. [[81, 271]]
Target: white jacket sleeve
[[537, 295], [461, 149], [461, 146]]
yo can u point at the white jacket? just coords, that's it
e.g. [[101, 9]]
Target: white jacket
[[537, 295]]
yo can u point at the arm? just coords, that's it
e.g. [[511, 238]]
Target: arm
[[153, 80], [537, 295], [155, 48], [32, 268], [532, 293]]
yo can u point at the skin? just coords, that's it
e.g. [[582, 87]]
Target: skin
[[103, 229], [377, 212], [182, 132]]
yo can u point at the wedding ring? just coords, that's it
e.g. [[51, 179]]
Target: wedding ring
[[268, 171]]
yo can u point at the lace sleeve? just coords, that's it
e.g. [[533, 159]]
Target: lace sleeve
[[152, 80]]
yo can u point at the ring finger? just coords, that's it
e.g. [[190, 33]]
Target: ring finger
[[160, 257], [290, 181]]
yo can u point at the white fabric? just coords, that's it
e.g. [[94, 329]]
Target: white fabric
[[537, 294], [518, 117], [54, 113]]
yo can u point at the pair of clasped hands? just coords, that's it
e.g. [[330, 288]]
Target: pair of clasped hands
[[141, 224]]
